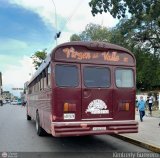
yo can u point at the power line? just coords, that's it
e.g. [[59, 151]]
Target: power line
[[72, 14], [58, 33]]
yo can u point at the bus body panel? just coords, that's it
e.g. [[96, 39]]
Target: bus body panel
[[60, 129], [120, 100], [124, 97], [67, 95], [86, 109], [96, 102], [41, 102]]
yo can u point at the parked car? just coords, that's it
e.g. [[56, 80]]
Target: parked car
[[1, 103], [14, 102], [4, 101]]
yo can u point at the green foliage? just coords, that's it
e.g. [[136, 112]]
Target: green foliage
[[147, 56], [127, 35], [119, 8], [92, 32], [75, 37], [38, 57], [143, 27]]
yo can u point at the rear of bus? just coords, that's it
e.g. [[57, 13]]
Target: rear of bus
[[93, 88]]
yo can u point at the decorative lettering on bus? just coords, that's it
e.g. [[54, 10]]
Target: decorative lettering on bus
[[71, 53], [125, 60], [110, 56]]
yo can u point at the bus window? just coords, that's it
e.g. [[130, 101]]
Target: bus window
[[49, 76], [41, 82], [96, 77], [66, 76], [124, 78], [36, 82], [45, 79]]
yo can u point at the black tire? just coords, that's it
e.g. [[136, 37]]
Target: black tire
[[28, 117], [1, 103], [39, 129]]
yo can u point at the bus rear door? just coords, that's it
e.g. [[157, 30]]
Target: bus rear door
[[67, 91], [97, 93]]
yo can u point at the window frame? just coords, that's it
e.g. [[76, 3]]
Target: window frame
[[122, 68], [98, 67], [68, 65]]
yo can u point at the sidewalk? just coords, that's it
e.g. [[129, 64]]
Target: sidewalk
[[149, 133]]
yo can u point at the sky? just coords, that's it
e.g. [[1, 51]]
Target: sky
[[27, 26]]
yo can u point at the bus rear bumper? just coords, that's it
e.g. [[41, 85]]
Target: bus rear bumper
[[62, 129]]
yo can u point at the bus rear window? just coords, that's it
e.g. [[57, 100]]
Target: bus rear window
[[96, 77], [124, 78], [66, 76]]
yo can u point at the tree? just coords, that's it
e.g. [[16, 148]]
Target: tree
[[148, 62], [119, 8], [75, 37], [125, 34], [92, 32], [144, 23], [38, 57]]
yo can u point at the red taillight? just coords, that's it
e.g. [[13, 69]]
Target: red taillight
[[124, 106], [68, 107]]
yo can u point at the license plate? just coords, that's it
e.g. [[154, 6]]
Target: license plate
[[99, 128], [69, 116]]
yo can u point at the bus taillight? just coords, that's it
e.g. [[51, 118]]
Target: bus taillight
[[68, 107], [124, 106]]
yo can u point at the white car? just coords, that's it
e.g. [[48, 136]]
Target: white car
[[4, 102], [14, 102]]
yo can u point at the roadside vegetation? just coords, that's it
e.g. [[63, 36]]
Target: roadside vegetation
[[140, 33]]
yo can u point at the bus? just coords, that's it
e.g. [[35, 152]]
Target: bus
[[84, 88]]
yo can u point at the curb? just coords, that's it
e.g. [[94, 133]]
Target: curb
[[150, 147]]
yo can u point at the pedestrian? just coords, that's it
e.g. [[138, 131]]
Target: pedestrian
[[24, 103], [141, 107], [150, 103]]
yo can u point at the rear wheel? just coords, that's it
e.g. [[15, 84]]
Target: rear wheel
[[39, 129], [28, 117], [1, 103]]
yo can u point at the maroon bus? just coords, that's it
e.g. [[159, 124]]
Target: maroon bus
[[84, 88]]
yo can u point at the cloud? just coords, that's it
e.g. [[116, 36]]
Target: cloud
[[15, 76], [44, 9], [72, 16], [10, 46]]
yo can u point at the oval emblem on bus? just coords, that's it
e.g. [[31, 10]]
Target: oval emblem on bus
[[97, 106]]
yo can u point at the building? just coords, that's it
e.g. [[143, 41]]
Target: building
[[7, 95]]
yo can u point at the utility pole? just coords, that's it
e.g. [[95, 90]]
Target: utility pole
[[57, 34], [1, 98]]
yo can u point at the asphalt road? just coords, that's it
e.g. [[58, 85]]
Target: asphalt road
[[19, 135]]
